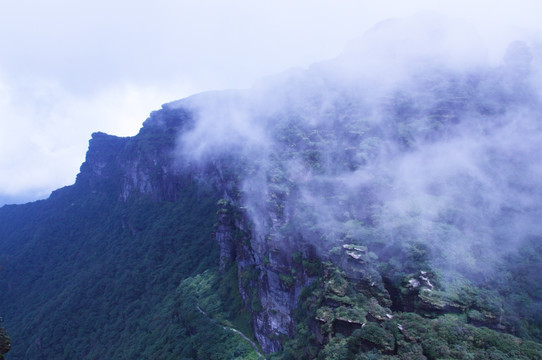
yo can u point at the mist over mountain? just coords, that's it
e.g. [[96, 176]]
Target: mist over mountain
[[381, 205], [410, 131]]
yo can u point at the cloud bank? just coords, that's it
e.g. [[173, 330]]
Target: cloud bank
[[83, 52], [44, 132], [412, 137]]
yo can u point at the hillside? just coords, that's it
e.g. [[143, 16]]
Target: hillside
[[381, 205]]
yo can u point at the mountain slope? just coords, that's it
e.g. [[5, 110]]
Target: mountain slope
[[86, 275]]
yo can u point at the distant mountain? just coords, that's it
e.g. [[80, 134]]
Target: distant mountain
[[8, 200], [381, 205]]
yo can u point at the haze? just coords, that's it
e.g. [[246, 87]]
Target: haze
[[69, 69]]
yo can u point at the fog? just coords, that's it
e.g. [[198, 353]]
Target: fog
[[70, 69], [413, 137]]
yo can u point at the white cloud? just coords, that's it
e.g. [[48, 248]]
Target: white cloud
[[70, 68], [44, 130]]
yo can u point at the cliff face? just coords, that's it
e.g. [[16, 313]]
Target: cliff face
[[273, 274], [271, 278], [140, 165], [147, 165]]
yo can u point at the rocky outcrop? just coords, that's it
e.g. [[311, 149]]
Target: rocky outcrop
[[5, 343], [271, 277], [140, 165], [273, 271], [353, 294]]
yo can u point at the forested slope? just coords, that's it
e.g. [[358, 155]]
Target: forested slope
[[85, 275]]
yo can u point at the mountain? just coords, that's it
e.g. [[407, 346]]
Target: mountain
[[381, 205]]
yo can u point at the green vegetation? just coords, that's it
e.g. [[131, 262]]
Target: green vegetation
[[352, 326], [113, 283], [219, 309], [384, 255]]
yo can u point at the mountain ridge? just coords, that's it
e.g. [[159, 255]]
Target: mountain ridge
[[325, 219]]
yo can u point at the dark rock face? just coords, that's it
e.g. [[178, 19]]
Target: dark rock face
[[102, 160], [142, 165], [272, 278], [224, 234], [266, 285], [5, 343]]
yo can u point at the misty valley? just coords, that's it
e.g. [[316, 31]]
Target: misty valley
[[384, 204]]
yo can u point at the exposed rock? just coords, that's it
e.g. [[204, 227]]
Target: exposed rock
[[5, 343], [140, 165], [414, 283]]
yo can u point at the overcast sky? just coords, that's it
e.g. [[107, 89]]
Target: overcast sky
[[69, 68]]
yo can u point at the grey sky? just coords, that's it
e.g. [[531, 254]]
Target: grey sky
[[70, 68]]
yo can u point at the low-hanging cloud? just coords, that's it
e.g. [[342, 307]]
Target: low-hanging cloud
[[411, 136], [44, 131]]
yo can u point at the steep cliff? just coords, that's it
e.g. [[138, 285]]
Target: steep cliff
[[144, 164]]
